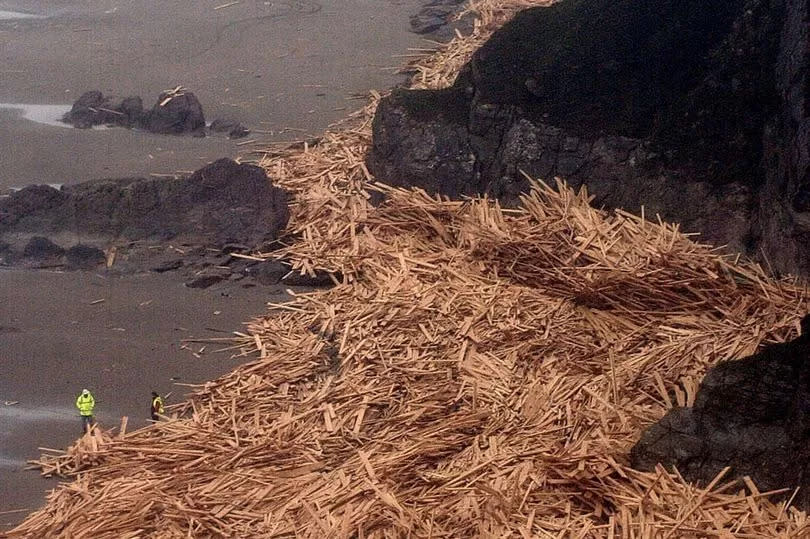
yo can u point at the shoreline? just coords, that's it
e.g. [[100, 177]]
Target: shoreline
[[120, 336], [65, 155], [280, 69]]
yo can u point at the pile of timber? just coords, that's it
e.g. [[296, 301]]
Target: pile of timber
[[479, 372]]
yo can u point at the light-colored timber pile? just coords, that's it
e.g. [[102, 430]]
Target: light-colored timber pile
[[478, 372]]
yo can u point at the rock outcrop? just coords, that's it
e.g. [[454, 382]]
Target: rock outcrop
[[175, 112], [92, 108], [221, 204], [752, 415], [695, 110]]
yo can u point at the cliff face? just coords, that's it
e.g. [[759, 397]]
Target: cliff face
[[693, 109], [751, 415]]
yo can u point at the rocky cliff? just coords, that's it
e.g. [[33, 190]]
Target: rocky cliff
[[751, 415], [694, 109]]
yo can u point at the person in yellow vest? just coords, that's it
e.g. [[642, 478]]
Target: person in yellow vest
[[85, 403], [157, 406]]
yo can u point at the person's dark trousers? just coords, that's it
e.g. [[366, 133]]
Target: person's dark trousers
[[87, 422]]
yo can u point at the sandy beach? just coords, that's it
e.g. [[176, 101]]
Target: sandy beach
[[284, 69], [119, 337]]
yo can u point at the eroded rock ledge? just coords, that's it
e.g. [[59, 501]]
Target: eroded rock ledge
[[694, 109], [197, 224], [751, 414]]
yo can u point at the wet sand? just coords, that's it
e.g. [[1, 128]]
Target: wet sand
[[283, 67], [57, 338]]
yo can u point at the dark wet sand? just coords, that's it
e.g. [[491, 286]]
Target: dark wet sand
[[286, 67], [54, 341]]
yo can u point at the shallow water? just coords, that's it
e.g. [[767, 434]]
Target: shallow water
[[34, 413], [16, 15], [41, 114]]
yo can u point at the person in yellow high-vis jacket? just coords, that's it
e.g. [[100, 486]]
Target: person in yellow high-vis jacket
[[156, 410], [85, 403]]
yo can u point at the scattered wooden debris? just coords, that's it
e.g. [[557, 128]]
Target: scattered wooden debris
[[223, 6], [478, 372]]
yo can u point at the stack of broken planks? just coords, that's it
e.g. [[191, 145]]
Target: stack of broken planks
[[478, 372]]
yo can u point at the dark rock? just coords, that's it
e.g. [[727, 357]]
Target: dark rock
[[84, 257], [132, 108], [320, 279], [697, 114], [90, 99], [421, 138], [232, 127], [269, 272], [176, 113], [167, 265], [92, 108], [41, 248], [25, 202], [110, 113], [221, 203], [752, 415], [84, 112], [206, 280]]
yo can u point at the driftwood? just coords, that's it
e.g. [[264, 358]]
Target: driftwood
[[477, 372]]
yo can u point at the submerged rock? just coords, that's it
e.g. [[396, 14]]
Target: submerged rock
[[694, 110], [751, 414]]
